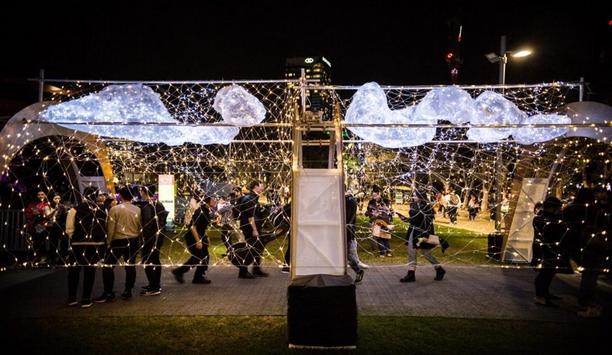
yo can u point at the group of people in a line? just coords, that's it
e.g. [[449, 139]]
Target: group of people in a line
[[121, 232]]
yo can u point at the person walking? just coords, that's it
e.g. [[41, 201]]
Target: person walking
[[548, 255], [421, 218], [251, 224], [197, 242], [154, 217]]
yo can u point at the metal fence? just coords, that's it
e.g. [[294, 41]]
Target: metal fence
[[11, 226]]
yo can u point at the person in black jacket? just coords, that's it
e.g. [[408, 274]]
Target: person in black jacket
[[251, 224], [421, 219], [197, 243], [153, 216], [548, 257], [86, 228]]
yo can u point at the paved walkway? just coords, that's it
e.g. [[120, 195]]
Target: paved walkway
[[466, 292]]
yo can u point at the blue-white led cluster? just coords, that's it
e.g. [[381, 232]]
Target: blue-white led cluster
[[453, 104], [136, 112]]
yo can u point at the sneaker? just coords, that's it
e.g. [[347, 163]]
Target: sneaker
[[72, 302], [259, 273], [178, 276], [105, 298], [126, 295], [152, 292], [86, 303], [286, 270], [246, 275], [203, 281], [359, 276], [364, 266], [554, 297]]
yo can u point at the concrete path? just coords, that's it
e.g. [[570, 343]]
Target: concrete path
[[466, 292]]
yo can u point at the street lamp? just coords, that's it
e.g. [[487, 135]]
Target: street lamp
[[503, 58]]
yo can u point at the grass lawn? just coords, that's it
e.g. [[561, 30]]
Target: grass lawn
[[466, 247], [268, 335]]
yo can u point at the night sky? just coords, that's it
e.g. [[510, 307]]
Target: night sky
[[387, 42]]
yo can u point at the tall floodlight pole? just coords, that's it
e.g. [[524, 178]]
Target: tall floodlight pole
[[498, 161]]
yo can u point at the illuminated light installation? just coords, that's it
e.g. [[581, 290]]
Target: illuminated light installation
[[531, 135], [132, 112], [369, 106], [448, 103], [238, 107], [494, 109], [453, 104]]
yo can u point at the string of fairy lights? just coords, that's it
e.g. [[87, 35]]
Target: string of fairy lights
[[448, 160]]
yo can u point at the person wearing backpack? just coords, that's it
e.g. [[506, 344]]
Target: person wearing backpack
[[153, 215]]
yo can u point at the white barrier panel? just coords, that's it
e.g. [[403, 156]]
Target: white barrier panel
[[518, 247], [319, 246]]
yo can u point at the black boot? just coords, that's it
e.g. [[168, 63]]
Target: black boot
[[409, 277], [439, 273]]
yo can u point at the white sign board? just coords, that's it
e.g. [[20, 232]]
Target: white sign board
[[166, 195]]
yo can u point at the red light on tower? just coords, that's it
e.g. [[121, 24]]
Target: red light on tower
[[450, 55], [610, 23]]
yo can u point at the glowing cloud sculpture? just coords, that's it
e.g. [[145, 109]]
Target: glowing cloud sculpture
[[238, 107], [448, 103], [494, 109], [133, 112], [530, 135], [369, 106]]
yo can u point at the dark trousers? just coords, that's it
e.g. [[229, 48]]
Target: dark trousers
[[126, 248], [543, 280], [256, 248], [58, 245], [452, 214], [83, 257], [150, 257], [226, 235], [39, 244], [199, 259], [588, 285], [383, 245], [472, 213]]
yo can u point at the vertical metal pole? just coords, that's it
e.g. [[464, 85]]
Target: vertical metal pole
[[502, 61], [303, 90], [581, 92], [41, 85], [499, 157], [296, 166]]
